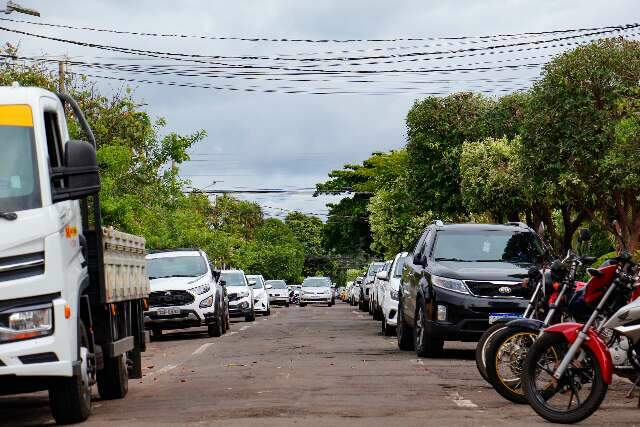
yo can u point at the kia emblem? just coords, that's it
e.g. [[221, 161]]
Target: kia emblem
[[504, 290]]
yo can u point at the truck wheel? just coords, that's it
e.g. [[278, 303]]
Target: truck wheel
[[113, 380], [404, 332], [425, 345], [70, 398]]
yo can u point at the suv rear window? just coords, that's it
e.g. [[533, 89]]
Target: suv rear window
[[486, 246]]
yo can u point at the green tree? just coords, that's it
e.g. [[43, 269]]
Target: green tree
[[581, 134]]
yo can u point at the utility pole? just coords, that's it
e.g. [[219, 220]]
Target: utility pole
[[61, 76]]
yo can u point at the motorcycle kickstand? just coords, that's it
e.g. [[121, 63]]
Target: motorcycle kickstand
[[635, 385]]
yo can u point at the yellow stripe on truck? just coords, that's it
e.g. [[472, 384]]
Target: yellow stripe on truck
[[16, 115]]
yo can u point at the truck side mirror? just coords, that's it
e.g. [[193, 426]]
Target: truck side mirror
[[418, 259], [80, 175]]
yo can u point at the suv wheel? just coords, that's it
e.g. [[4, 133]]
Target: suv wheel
[[425, 345], [403, 331]]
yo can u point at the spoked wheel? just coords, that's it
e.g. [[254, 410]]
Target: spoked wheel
[[481, 348], [505, 357], [572, 398]]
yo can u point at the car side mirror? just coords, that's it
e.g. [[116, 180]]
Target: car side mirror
[[418, 259], [79, 177], [382, 275], [252, 282], [223, 283]]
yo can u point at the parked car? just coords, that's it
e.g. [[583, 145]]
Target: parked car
[[367, 284], [316, 290], [278, 292], [354, 291], [184, 293], [376, 292], [458, 275], [390, 282], [260, 295], [240, 294]]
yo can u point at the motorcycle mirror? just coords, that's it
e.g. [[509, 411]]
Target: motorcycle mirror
[[584, 235]]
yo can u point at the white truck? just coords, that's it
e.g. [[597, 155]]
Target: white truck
[[72, 293]]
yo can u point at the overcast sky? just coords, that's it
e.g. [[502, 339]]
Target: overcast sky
[[258, 140]]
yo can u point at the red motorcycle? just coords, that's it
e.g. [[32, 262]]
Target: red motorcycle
[[568, 369]]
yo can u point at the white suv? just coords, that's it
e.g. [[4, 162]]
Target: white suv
[[260, 295], [240, 294], [390, 288], [184, 293]]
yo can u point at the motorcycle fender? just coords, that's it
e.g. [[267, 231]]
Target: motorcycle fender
[[530, 324], [593, 342]]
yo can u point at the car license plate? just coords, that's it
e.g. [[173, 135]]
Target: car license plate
[[497, 317], [168, 311]]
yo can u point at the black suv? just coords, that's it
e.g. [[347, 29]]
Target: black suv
[[461, 275]]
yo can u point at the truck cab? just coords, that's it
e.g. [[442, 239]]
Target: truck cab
[[68, 317]]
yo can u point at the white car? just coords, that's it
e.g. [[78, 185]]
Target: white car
[[367, 284], [260, 295], [354, 291], [377, 293], [391, 287], [184, 293], [316, 290], [278, 292], [240, 294]]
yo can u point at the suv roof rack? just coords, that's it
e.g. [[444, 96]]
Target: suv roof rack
[[517, 224]]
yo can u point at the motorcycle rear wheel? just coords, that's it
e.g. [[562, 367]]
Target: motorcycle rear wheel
[[547, 396]]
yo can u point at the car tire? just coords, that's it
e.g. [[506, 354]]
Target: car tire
[[155, 334], [302, 304], [250, 317], [286, 304], [70, 398], [404, 333], [425, 345], [268, 312]]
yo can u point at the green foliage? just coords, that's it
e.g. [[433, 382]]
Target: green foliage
[[492, 178]]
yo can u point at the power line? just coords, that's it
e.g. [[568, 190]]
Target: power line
[[298, 40]]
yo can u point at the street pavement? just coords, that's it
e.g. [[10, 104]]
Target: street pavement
[[311, 366]]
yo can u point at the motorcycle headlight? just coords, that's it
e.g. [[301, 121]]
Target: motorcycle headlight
[[207, 302], [450, 284], [202, 289], [394, 294], [27, 322]]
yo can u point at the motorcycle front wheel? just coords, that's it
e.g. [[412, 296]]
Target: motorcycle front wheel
[[572, 398], [481, 348]]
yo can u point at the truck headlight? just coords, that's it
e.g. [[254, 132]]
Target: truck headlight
[[207, 302], [202, 289], [450, 284], [26, 322]]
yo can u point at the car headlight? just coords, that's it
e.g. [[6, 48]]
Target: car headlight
[[243, 294], [450, 284], [202, 289], [26, 323], [394, 294], [207, 302]]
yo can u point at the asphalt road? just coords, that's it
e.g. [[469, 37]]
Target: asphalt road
[[312, 366]]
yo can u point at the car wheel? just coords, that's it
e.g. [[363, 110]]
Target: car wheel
[[424, 344], [268, 312], [250, 317], [286, 304], [155, 334], [215, 329], [404, 332]]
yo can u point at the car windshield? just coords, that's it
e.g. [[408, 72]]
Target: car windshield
[[233, 278], [277, 284], [315, 282], [176, 266], [487, 246], [397, 272], [258, 284], [19, 184], [374, 268]]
